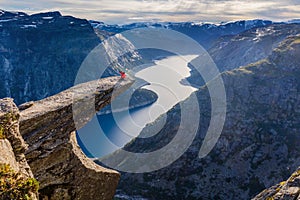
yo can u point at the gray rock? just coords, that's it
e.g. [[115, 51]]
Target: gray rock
[[286, 190], [54, 156], [12, 145]]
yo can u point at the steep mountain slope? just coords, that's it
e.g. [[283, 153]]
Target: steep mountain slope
[[40, 54], [259, 145], [250, 46], [231, 52]]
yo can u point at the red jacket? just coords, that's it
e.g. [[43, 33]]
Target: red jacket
[[123, 75]]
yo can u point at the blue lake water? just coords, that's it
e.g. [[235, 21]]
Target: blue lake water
[[107, 133]]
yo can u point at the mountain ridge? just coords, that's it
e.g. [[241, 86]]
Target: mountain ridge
[[260, 133], [263, 113]]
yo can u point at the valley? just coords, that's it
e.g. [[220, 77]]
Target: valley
[[258, 61]]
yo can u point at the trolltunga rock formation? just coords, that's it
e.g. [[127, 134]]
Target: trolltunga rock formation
[[56, 160]]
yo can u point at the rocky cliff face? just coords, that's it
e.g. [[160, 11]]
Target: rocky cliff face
[[285, 190], [56, 160], [234, 51], [40, 54], [15, 172], [259, 145], [231, 52], [53, 154]]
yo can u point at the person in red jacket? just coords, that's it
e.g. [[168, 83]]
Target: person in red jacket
[[123, 75]]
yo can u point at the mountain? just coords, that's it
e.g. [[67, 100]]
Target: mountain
[[258, 147], [294, 21], [204, 33], [41, 54], [230, 52], [234, 51]]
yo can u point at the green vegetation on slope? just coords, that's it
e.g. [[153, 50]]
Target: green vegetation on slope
[[14, 186], [3, 123], [2, 136]]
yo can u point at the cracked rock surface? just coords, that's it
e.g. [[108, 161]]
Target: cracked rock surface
[[56, 160]]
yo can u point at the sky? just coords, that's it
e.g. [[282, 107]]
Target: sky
[[128, 11]]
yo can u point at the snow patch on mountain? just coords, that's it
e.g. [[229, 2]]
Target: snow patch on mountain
[[7, 20], [7, 77], [262, 32], [29, 26], [244, 24], [250, 23], [117, 47], [47, 18]]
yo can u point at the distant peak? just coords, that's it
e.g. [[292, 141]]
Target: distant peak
[[294, 21], [250, 21], [48, 14], [9, 14]]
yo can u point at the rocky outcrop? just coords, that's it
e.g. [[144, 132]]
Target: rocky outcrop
[[54, 156], [139, 98], [259, 144], [286, 190], [13, 164]]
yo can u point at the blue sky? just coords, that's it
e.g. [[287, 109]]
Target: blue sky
[[127, 11]]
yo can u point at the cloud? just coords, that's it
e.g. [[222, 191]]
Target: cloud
[[121, 11]]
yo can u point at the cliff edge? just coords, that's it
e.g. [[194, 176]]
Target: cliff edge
[[56, 161]]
